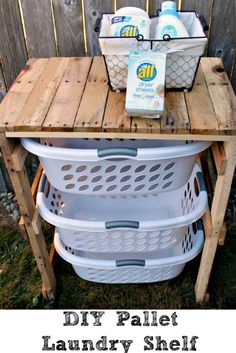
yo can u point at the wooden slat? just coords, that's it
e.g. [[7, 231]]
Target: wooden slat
[[64, 107], [18, 157], [145, 126], [39, 28], [203, 7], [218, 208], [2, 84], [19, 93], [26, 203], [12, 46], [219, 157], [155, 5], [221, 93], [36, 108], [94, 10], [223, 34], [92, 106], [222, 236], [115, 118], [69, 27], [136, 3], [34, 190], [201, 113], [175, 116]]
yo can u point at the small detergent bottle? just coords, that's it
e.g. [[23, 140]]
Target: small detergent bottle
[[169, 23]]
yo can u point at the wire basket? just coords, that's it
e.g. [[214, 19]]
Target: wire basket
[[129, 225], [116, 167], [183, 54], [138, 268]]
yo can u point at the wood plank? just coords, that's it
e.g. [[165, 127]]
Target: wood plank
[[18, 157], [39, 28], [115, 118], [16, 98], [201, 112], [3, 90], [201, 7], [219, 157], [26, 203], [221, 93], [92, 106], [12, 45], [223, 233], [69, 27], [93, 11], [233, 71], [218, 209], [155, 5], [175, 116], [137, 3], [37, 106], [223, 35], [22, 228], [65, 104], [146, 126]]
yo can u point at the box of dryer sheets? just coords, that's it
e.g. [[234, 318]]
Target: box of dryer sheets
[[146, 84]]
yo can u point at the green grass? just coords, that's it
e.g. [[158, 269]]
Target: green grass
[[20, 283]]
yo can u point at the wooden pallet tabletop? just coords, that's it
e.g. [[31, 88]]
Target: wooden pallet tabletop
[[71, 97]]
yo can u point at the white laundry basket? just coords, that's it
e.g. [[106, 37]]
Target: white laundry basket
[[134, 224], [116, 167], [135, 268], [183, 54]]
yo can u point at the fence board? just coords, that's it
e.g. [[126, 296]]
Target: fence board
[[69, 27], [137, 3], [93, 11], [39, 28], [155, 5], [12, 46], [223, 34], [2, 84], [202, 7]]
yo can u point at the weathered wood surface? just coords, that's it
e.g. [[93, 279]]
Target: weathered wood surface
[[2, 84], [12, 46], [155, 5], [138, 3], [223, 34], [72, 94], [69, 27], [39, 28], [201, 7], [93, 11]]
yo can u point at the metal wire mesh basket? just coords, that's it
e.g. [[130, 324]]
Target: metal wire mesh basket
[[183, 54]]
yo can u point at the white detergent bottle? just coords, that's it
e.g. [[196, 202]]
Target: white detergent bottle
[[169, 25]]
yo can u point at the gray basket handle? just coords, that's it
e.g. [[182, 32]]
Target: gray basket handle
[[44, 185], [122, 224], [201, 182], [123, 263], [117, 151]]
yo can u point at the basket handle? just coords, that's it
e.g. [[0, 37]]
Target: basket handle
[[201, 182], [44, 185], [122, 263], [122, 224], [117, 152]]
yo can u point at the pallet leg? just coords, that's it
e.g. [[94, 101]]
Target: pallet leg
[[26, 203], [219, 204]]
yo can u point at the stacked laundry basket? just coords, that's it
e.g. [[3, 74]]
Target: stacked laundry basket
[[125, 211]]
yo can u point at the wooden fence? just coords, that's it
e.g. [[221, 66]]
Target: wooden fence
[[44, 28]]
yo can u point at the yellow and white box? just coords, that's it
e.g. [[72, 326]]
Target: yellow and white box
[[146, 84]]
